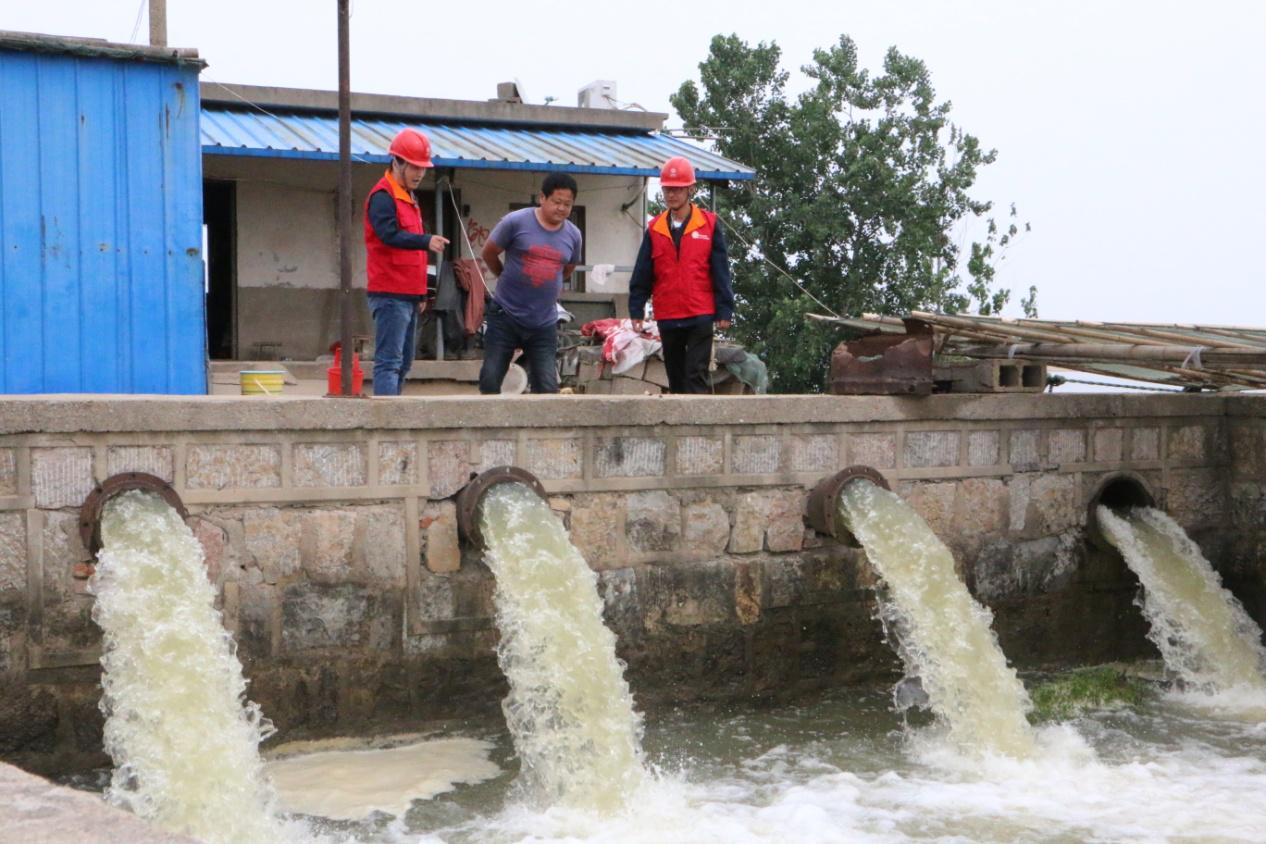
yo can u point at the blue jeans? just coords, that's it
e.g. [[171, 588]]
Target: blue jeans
[[502, 336], [395, 324]]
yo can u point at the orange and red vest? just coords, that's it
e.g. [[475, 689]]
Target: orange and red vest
[[394, 270], [683, 278]]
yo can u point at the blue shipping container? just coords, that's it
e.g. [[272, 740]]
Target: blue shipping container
[[101, 280]]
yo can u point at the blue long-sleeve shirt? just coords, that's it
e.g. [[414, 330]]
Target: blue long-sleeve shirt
[[382, 216], [643, 279]]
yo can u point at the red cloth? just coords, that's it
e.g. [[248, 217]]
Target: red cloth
[[471, 280], [683, 277], [393, 270]]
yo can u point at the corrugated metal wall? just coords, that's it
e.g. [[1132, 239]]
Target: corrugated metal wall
[[101, 283]]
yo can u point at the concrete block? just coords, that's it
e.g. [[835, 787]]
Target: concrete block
[[449, 464], [981, 509], [1024, 453], [815, 453], [656, 373], [8, 472], [706, 529], [934, 502], [272, 537], [1067, 445], [652, 521], [688, 595], [439, 525], [1197, 498], [551, 459], [382, 545], [629, 457], [63, 549], [982, 448], [233, 467], [13, 552], [1145, 444], [1186, 444], [214, 542], [1246, 450], [598, 529], [397, 463], [931, 448], [329, 464], [493, 453], [328, 538], [700, 455], [879, 451], [1108, 442], [759, 455], [61, 477], [768, 519], [158, 461], [323, 616], [1054, 505]]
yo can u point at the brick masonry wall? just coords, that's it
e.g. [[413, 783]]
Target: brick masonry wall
[[339, 572]]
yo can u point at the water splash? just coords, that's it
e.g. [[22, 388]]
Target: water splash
[[569, 710], [184, 744], [942, 634], [1202, 631]]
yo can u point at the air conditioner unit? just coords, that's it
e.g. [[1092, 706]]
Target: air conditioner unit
[[597, 94]]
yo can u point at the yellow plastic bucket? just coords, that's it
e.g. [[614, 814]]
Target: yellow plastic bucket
[[262, 382]]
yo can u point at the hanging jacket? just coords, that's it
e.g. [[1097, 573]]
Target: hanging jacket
[[391, 269]]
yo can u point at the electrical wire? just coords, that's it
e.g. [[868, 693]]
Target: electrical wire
[[136, 27]]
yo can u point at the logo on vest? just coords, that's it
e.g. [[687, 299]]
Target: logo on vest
[[697, 235]]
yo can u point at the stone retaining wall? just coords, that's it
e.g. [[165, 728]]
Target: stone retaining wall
[[331, 535]]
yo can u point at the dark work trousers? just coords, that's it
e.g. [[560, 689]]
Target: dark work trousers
[[502, 335], [687, 353]]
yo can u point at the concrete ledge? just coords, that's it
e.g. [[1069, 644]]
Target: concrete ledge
[[105, 413], [34, 811]]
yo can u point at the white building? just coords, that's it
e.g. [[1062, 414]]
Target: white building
[[270, 166]]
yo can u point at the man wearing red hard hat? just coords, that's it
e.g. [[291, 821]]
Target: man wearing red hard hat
[[683, 268], [396, 248]]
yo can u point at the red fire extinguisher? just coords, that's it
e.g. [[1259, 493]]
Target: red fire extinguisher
[[334, 375]]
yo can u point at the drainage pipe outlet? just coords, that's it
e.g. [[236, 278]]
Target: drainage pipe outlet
[[91, 510], [470, 498], [1118, 491], [823, 507]]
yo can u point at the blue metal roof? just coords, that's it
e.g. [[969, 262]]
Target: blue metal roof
[[292, 134]]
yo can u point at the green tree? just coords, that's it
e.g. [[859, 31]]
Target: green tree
[[862, 184]]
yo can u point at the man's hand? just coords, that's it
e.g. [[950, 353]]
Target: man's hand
[[721, 324], [437, 243]]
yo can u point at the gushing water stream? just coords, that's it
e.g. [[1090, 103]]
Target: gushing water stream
[[1202, 631], [184, 743], [569, 710], [942, 634]]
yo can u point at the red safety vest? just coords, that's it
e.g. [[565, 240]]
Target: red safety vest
[[394, 270], [683, 278]]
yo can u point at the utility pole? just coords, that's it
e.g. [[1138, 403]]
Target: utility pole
[[345, 193], [158, 23]]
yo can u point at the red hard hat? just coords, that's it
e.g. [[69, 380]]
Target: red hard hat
[[412, 146], [677, 173]]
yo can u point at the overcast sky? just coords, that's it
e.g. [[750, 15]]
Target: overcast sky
[[1130, 134]]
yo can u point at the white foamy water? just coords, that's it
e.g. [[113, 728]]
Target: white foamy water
[[569, 709], [353, 783], [943, 635], [1203, 633], [183, 740], [793, 775]]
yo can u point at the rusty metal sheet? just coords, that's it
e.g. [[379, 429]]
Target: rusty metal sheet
[[883, 365]]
